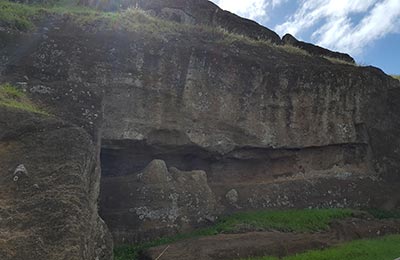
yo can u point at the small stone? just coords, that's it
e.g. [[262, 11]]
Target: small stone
[[232, 196], [20, 170]]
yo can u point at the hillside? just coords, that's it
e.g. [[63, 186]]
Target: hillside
[[129, 121]]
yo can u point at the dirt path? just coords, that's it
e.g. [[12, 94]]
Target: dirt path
[[235, 246]]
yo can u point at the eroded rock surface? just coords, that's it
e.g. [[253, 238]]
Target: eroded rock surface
[[159, 201], [282, 129], [235, 125], [48, 191], [200, 12]]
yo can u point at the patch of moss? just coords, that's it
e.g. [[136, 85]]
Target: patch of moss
[[12, 97]]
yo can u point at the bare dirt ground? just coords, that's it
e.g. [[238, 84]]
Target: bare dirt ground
[[274, 243]]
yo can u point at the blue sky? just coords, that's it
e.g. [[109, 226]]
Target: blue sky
[[369, 30]]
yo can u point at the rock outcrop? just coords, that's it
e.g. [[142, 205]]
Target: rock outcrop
[[316, 50], [283, 130], [219, 123], [51, 212], [48, 190], [201, 12], [160, 201]]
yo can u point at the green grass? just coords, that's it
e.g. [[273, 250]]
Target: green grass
[[17, 16], [15, 98], [22, 16], [286, 220], [396, 76], [387, 248], [384, 214]]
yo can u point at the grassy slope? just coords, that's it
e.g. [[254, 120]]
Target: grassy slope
[[387, 248], [14, 98], [396, 76], [288, 220], [22, 17]]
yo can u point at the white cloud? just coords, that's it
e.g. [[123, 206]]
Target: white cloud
[[332, 25], [276, 3], [252, 9]]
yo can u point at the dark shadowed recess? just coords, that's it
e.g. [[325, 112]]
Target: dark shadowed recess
[[126, 157]]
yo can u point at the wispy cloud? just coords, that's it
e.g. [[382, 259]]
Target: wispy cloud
[[333, 27], [252, 9]]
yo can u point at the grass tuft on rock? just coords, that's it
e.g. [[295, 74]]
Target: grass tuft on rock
[[396, 77], [12, 97], [386, 248], [339, 61]]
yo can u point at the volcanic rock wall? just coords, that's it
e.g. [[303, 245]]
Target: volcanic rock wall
[[269, 128], [196, 125], [49, 164]]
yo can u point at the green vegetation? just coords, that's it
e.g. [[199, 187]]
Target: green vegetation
[[339, 61], [293, 49], [14, 98], [287, 220], [16, 15], [386, 248], [384, 214], [22, 17], [396, 76]]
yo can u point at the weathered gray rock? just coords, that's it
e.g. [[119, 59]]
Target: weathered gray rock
[[284, 130], [50, 213], [155, 172], [232, 196], [201, 12], [157, 202]]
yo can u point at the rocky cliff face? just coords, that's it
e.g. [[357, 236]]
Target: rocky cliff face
[[270, 128], [48, 182], [196, 123], [50, 170]]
